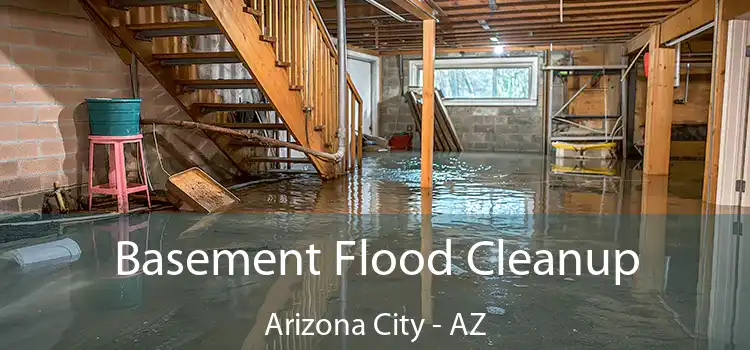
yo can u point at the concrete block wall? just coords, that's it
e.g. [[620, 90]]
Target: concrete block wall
[[480, 128], [52, 57]]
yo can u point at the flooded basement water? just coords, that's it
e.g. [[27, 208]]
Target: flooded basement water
[[690, 290]]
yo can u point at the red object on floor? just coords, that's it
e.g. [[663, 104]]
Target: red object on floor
[[118, 183], [646, 59], [400, 142]]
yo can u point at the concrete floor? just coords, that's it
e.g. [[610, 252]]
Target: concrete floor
[[689, 291]]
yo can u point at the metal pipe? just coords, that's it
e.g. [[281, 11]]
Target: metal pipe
[[388, 11], [436, 7], [690, 34], [343, 88], [687, 82], [678, 56]]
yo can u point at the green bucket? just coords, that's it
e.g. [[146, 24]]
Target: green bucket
[[114, 116]]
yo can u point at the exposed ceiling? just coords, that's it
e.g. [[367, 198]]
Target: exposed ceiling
[[512, 22]]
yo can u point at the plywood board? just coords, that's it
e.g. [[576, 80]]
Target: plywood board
[[199, 191]]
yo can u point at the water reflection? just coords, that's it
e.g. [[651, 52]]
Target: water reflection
[[690, 290]]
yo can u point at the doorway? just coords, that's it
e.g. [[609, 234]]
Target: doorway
[[364, 70]]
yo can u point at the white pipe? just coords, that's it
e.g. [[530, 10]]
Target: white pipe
[[677, 65], [690, 35], [61, 251]]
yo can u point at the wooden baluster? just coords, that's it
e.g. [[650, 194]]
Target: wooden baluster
[[327, 82], [359, 135], [263, 15], [276, 26], [271, 18], [292, 42], [289, 20], [299, 42], [324, 93], [334, 102], [318, 82], [308, 51], [322, 83], [314, 81], [350, 153], [281, 37]]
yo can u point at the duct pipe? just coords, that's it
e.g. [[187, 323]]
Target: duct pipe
[[341, 27]]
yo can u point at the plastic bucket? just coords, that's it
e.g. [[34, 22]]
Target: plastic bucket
[[114, 116]]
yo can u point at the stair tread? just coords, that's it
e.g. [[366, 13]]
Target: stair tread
[[167, 29], [257, 126], [172, 25], [222, 54], [234, 106], [186, 58], [218, 83], [280, 159]]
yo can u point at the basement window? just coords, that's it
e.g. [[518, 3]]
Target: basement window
[[497, 81]]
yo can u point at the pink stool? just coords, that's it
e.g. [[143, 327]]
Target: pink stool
[[118, 183]]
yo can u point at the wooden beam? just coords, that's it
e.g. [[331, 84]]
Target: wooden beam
[[468, 43], [418, 8], [526, 4], [638, 42], [688, 18], [659, 102], [734, 8], [591, 31], [612, 5], [428, 100], [484, 49], [501, 36], [362, 50], [716, 109], [584, 10], [594, 14]]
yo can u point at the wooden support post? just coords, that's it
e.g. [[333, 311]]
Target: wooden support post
[[716, 114], [652, 238], [428, 100], [426, 250], [659, 102]]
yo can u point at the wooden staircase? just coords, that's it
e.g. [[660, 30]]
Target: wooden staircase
[[266, 66]]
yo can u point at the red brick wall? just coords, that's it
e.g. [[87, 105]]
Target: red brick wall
[[51, 59]]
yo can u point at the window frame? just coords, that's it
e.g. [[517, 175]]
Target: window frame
[[492, 62]]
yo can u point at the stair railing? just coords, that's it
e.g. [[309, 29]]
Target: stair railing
[[303, 44]]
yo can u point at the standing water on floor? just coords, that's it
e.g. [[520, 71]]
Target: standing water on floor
[[688, 290]]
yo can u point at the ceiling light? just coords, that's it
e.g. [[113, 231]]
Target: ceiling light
[[493, 39], [498, 50], [484, 24]]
